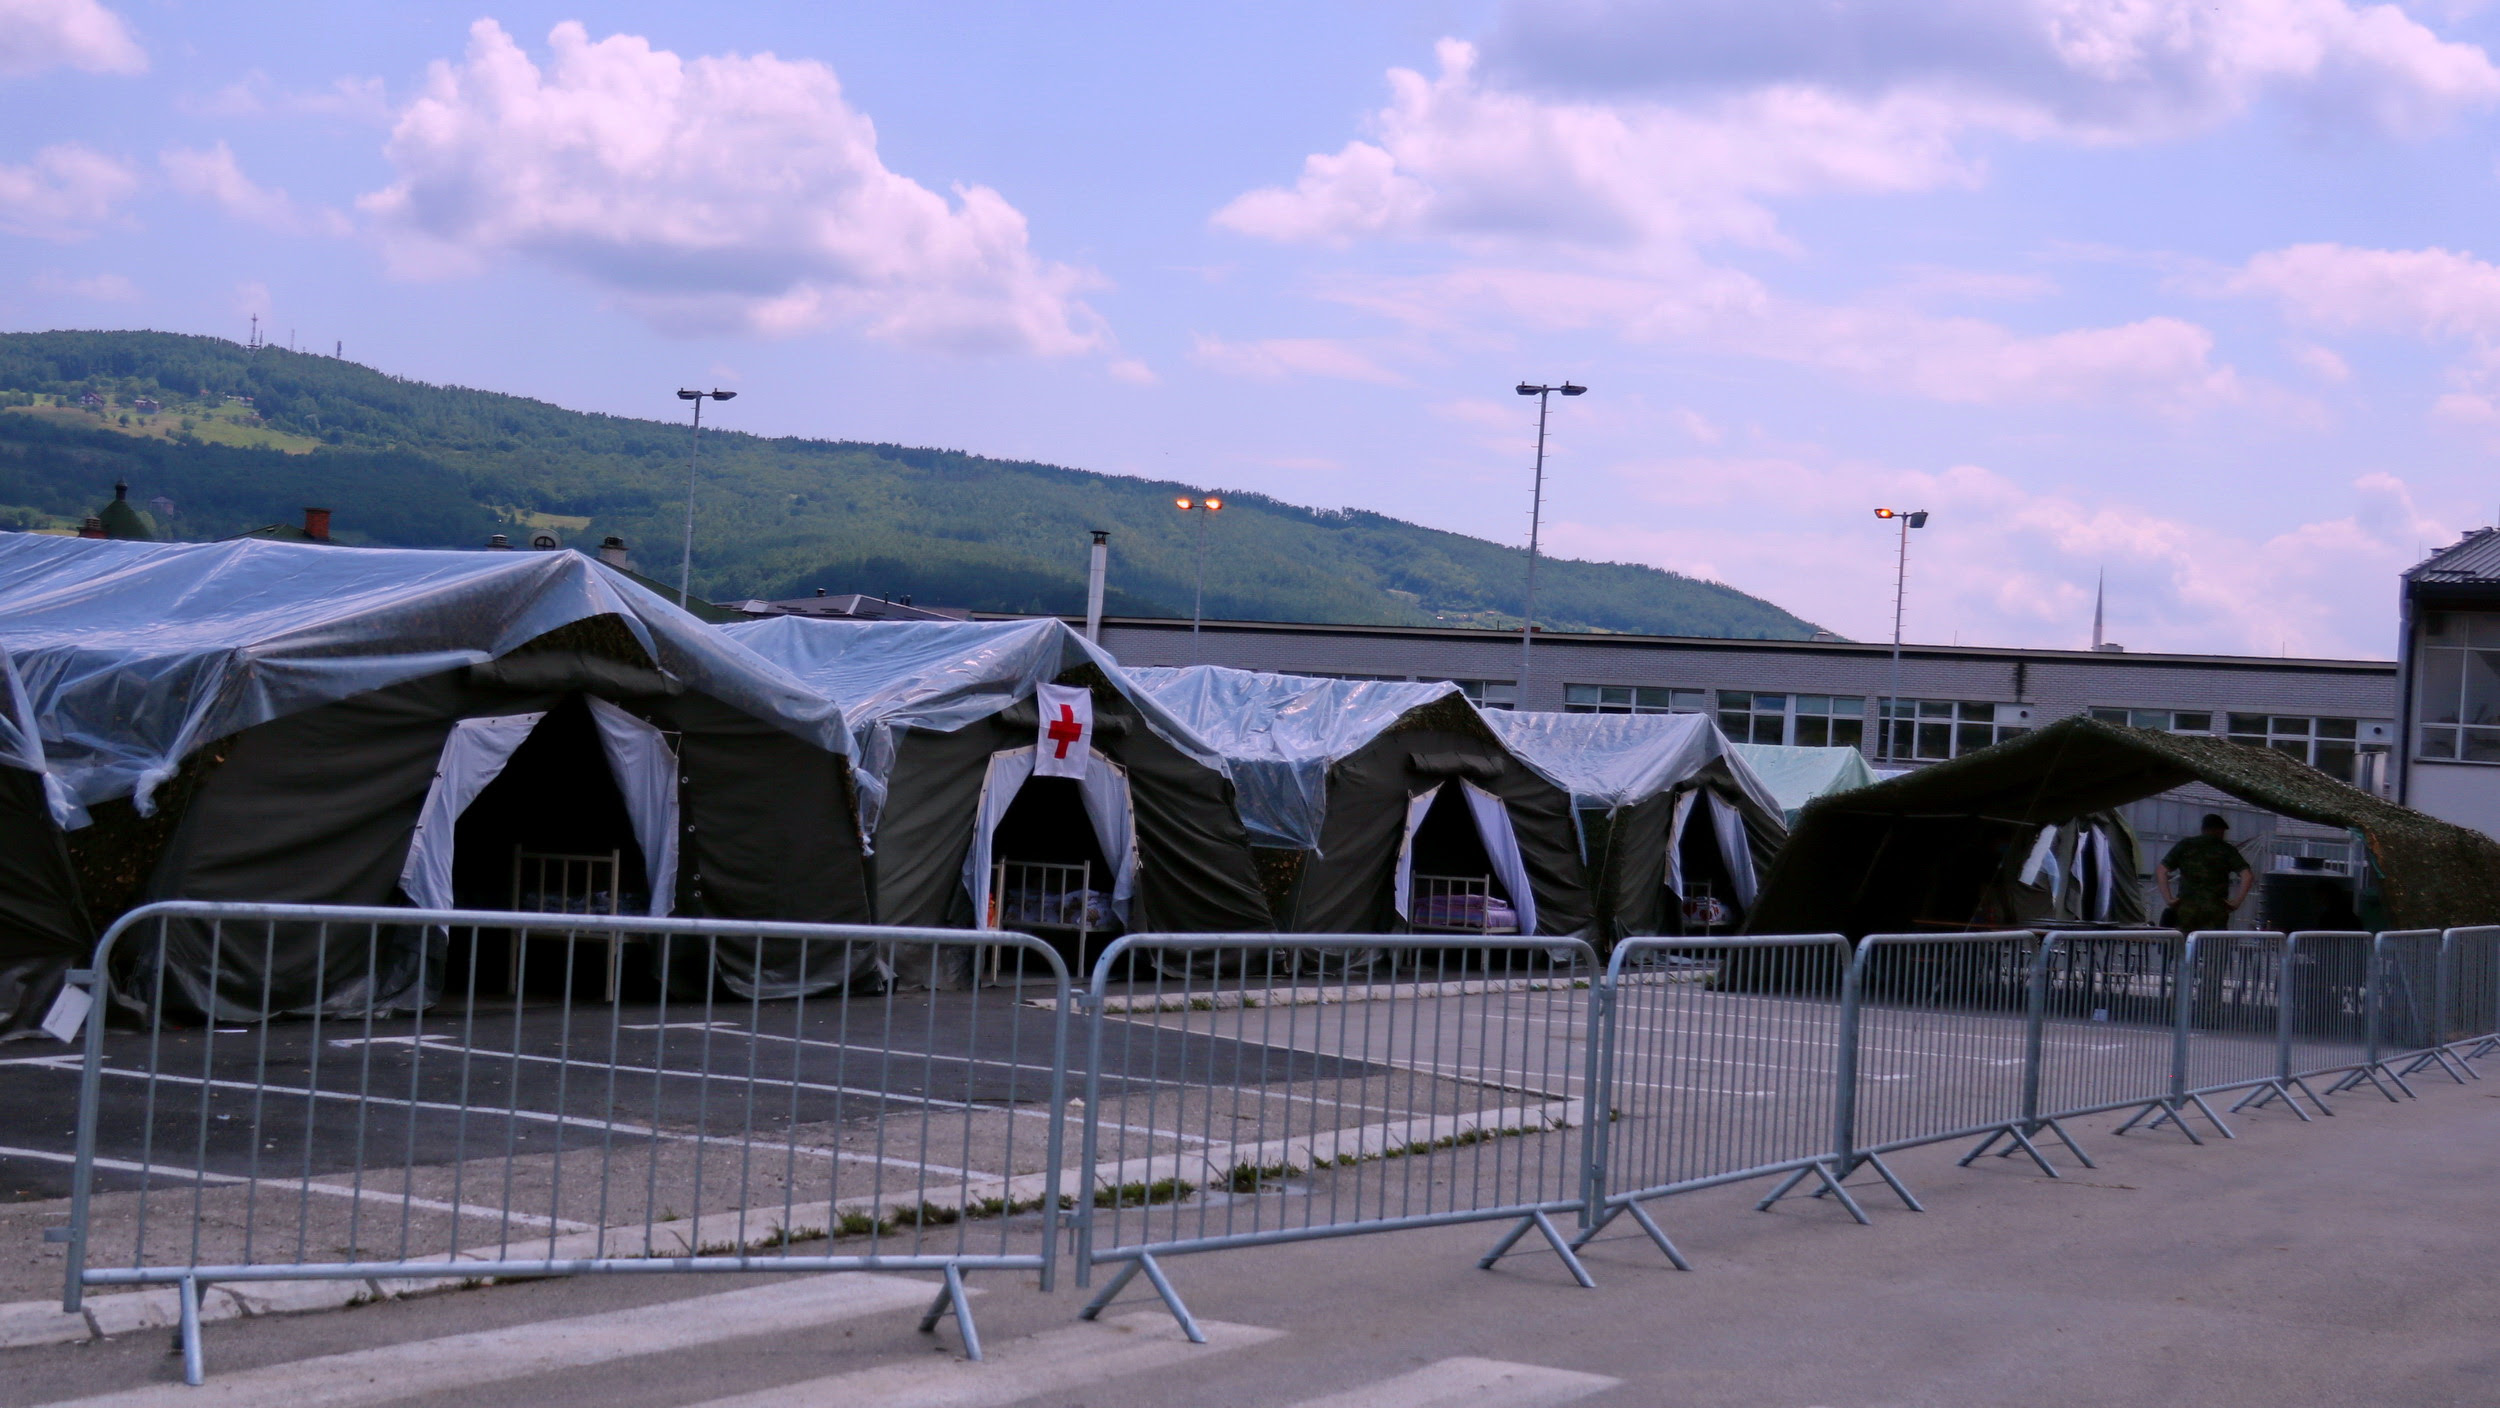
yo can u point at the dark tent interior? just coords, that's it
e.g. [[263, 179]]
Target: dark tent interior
[[1194, 871], [1935, 848], [1349, 886], [320, 807]]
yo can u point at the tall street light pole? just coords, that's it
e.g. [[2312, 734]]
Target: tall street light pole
[[685, 565], [1909, 519], [1205, 508], [1536, 521]]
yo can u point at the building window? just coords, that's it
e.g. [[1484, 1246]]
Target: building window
[[2332, 746], [1829, 721], [2460, 688], [1490, 694], [1932, 730], [1631, 699], [2166, 720], [1753, 718]]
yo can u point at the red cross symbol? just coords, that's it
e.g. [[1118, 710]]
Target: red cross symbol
[[1066, 730]]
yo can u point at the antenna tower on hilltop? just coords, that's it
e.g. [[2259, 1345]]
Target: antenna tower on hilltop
[[254, 344]]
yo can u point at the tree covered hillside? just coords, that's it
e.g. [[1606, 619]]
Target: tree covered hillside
[[237, 438]]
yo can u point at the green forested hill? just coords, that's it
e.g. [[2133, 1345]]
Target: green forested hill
[[405, 463]]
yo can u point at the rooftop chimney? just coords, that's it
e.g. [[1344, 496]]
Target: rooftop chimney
[[121, 489], [612, 552], [1096, 565], [317, 524], [499, 543], [92, 528]]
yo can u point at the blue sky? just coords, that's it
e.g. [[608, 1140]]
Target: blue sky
[[2190, 292]]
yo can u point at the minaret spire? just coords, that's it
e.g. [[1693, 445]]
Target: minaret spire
[[2100, 587]]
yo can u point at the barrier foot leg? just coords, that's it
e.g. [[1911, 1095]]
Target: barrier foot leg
[[2177, 1115], [1589, 1233], [953, 1300], [2366, 1074], [1984, 1146], [1509, 1240], [2208, 1112], [2138, 1117], [194, 1361], [1658, 1234], [2023, 1142], [1899, 1189], [1171, 1298], [2303, 1087], [2257, 1098], [1562, 1248], [2067, 1139], [1110, 1291], [1833, 1186], [1787, 1186]]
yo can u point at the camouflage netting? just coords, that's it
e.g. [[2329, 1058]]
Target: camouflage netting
[[2432, 873]]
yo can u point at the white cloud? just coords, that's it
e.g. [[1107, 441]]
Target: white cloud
[[2004, 562], [2423, 292], [36, 35], [1696, 425], [2097, 69], [1455, 157], [253, 95], [1275, 358], [722, 193], [1132, 371], [64, 193], [212, 174], [100, 288], [2161, 362]]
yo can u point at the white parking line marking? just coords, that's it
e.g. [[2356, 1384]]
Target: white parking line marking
[[487, 1357], [1057, 1361], [172, 1173], [1471, 1383]]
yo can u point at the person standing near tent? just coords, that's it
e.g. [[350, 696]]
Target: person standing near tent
[[2204, 878]]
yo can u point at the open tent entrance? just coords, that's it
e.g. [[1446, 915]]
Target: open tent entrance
[[1710, 874], [1055, 857], [1459, 869], [560, 812]]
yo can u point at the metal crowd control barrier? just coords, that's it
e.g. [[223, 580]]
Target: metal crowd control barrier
[[674, 1128], [1721, 1062], [2405, 1005], [2332, 980], [2469, 994], [2104, 1017], [2227, 1031], [1388, 1084], [1935, 1043]]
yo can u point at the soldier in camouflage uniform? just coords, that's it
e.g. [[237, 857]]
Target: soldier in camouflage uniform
[[2198, 877]]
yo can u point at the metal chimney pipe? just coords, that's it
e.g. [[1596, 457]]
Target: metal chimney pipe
[[1094, 570]]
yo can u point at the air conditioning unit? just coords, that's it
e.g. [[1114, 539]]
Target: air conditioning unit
[[2017, 714], [2378, 731]]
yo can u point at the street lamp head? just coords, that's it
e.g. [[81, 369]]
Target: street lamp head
[[1886, 513], [723, 395], [1570, 390], [1918, 518], [684, 395], [1214, 504], [1184, 503], [1526, 390]]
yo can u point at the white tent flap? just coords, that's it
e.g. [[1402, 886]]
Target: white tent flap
[[1107, 810], [646, 773], [1501, 847], [1417, 808], [1675, 841], [1733, 848], [2042, 867], [473, 757]]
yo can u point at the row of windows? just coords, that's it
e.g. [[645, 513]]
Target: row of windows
[[2332, 746], [1922, 729], [2460, 700]]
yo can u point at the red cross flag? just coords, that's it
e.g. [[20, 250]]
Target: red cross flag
[[1067, 737]]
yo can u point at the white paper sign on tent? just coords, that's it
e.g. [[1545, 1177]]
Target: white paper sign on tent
[[68, 1014], [1067, 730]]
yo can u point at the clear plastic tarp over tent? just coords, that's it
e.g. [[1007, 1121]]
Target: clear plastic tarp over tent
[[1281, 733], [121, 658], [1797, 776], [889, 676], [1621, 760]]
